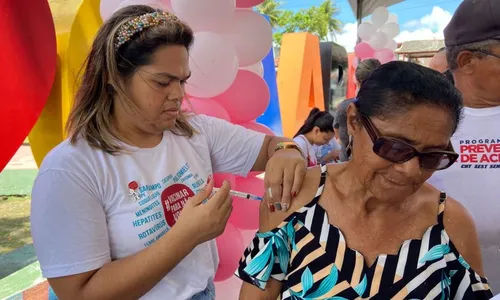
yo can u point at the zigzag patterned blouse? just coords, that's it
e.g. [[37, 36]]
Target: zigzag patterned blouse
[[311, 258]]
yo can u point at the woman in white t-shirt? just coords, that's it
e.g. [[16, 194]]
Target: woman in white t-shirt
[[118, 209], [317, 130]]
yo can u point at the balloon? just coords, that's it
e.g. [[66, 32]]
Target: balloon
[[384, 55], [203, 15], [378, 40], [390, 29], [163, 5], [391, 45], [230, 248], [219, 179], [247, 98], [257, 68], [207, 107], [257, 127], [245, 213], [251, 35], [247, 4], [228, 289], [108, 7], [365, 31], [28, 60], [213, 65], [380, 16], [393, 18], [364, 50]]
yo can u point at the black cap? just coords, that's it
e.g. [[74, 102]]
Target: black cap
[[473, 21]]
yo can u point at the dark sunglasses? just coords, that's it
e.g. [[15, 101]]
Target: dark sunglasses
[[397, 151]]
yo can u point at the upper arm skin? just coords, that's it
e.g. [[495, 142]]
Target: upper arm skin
[[462, 232], [270, 220]]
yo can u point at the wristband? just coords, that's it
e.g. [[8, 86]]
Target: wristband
[[288, 145]]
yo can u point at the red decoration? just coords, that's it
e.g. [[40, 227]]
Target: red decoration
[[28, 67], [133, 185]]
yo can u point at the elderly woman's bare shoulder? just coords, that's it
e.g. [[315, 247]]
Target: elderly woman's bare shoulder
[[270, 220], [461, 229]]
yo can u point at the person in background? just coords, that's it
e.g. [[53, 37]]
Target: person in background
[[440, 64], [317, 130], [438, 61], [364, 69], [472, 40], [118, 210], [340, 127], [328, 153], [371, 228]]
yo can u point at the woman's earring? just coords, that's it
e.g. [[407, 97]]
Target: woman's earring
[[348, 148]]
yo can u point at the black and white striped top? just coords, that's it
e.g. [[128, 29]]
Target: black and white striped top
[[311, 258]]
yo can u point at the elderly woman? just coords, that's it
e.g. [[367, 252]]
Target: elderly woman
[[371, 227], [118, 210]]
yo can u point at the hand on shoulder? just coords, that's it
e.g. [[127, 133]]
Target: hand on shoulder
[[270, 220]]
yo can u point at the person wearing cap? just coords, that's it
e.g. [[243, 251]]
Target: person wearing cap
[[472, 40]]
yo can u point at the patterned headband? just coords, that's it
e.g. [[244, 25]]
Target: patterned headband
[[138, 24]]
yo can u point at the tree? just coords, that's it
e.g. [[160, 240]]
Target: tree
[[316, 20], [271, 8]]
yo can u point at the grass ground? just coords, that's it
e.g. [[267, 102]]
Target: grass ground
[[14, 223]]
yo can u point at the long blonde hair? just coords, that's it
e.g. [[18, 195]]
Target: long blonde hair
[[106, 70]]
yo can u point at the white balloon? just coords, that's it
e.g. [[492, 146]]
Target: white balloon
[[391, 45], [380, 16], [365, 31], [257, 68], [390, 29], [393, 18], [378, 40], [251, 35], [163, 5], [205, 15], [108, 7], [213, 63]]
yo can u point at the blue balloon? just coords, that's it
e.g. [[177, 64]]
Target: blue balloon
[[272, 116]]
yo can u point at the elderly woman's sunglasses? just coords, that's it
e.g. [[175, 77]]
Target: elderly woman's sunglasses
[[397, 151]]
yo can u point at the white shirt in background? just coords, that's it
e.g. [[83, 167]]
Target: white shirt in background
[[83, 215], [474, 180], [307, 149]]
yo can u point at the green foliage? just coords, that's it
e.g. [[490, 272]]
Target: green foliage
[[319, 20]]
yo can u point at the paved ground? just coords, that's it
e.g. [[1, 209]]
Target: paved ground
[[22, 160], [18, 176]]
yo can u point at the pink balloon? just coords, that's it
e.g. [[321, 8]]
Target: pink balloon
[[219, 179], [245, 213], [230, 247], [364, 50], [228, 289], [213, 64], [251, 35], [384, 55], [207, 107], [108, 7], [247, 3], [257, 127], [203, 15], [247, 98], [163, 5]]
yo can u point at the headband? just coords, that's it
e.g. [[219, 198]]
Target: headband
[[126, 31]]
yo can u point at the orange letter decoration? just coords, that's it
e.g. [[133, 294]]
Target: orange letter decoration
[[300, 86]]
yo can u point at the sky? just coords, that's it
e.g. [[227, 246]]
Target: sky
[[418, 19]]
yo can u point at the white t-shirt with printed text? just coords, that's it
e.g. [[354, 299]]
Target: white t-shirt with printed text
[[84, 214], [474, 181]]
